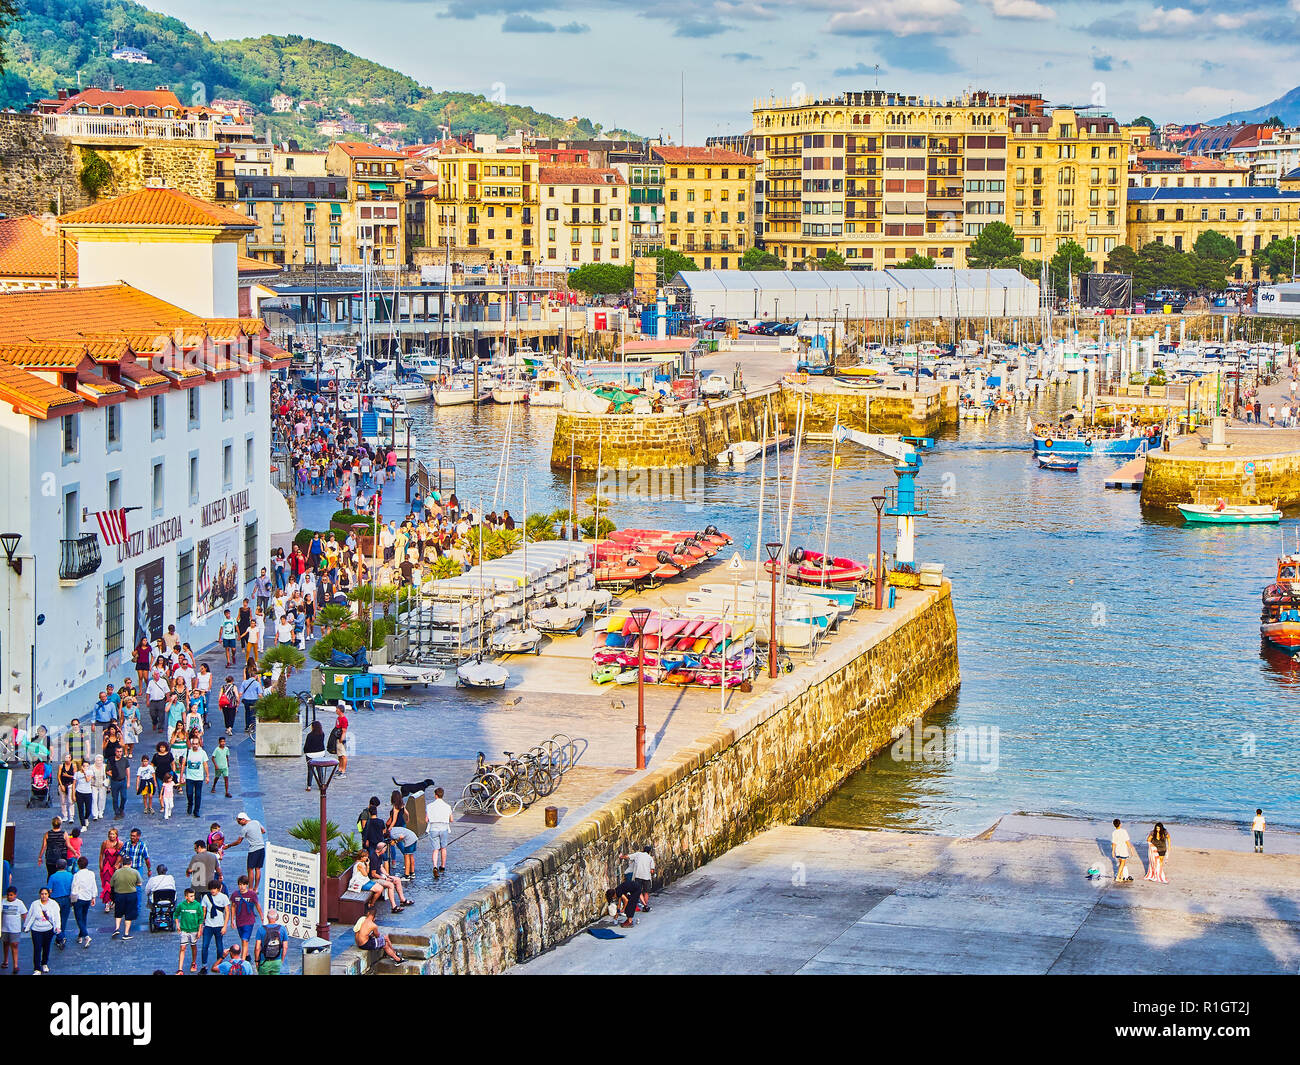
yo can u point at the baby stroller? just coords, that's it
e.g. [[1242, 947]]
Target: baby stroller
[[42, 778], [162, 911]]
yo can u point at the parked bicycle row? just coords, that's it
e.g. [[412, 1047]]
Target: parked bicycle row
[[507, 788]]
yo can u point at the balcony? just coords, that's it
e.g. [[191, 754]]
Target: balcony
[[133, 127], [782, 153], [78, 558]]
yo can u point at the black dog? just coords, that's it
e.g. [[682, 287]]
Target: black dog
[[414, 786]]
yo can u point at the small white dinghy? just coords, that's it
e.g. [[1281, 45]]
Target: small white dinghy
[[398, 676], [560, 619], [739, 453], [516, 641], [480, 674]]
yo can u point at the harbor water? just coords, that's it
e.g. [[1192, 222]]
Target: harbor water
[[1111, 661]]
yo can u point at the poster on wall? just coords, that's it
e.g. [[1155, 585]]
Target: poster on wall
[[149, 590], [216, 572]]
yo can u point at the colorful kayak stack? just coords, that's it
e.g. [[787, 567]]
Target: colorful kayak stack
[[674, 649]]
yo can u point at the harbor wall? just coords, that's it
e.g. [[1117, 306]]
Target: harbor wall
[[696, 437], [789, 749], [1171, 479]]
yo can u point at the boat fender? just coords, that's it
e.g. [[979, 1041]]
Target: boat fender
[[710, 530], [630, 560], [680, 549], [1088, 441], [664, 558], [796, 556], [1047, 444]]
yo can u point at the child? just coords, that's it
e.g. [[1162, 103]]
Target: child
[[131, 730], [168, 795], [217, 840], [145, 782], [73, 843], [221, 765], [194, 716]]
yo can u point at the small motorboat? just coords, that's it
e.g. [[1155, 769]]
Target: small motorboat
[[398, 676], [510, 391], [812, 567], [1059, 463], [1279, 622], [1224, 513], [739, 453], [479, 674], [514, 640]]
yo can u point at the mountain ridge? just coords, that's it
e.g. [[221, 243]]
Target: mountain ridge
[[1286, 107]]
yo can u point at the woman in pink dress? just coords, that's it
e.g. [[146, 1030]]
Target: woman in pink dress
[[108, 852]]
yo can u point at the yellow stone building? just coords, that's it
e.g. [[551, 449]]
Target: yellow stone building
[[1252, 217], [878, 177], [1068, 181], [486, 202], [376, 187], [584, 216], [708, 204]]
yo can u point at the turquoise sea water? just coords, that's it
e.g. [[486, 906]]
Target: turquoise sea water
[[1114, 659]]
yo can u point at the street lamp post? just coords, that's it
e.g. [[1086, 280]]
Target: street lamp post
[[322, 771], [773, 645], [879, 503], [639, 616]]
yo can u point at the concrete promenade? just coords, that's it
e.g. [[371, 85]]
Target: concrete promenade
[[1013, 900]]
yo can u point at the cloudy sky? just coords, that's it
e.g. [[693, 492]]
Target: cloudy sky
[[621, 62]]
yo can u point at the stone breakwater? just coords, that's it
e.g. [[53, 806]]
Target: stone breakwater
[[1244, 475], [784, 753], [677, 440]]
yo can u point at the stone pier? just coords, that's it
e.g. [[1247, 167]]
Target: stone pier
[[1259, 466]]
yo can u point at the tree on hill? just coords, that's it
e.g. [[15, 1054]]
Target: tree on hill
[[601, 279], [8, 16], [916, 262], [1275, 121], [1212, 244], [758, 259], [996, 244]]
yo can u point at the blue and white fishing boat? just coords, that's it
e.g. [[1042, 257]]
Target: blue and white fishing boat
[[1127, 443]]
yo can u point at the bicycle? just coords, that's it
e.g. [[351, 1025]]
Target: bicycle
[[486, 793]]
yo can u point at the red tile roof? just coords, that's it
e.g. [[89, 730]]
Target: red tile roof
[[364, 150], [35, 396], [159, 207], [578, 175], [29, 248], [704, 156], [121, 98]]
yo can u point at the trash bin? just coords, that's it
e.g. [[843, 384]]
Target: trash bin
[[893, 594], [416, 819], [316, 957], [552, 817], [333, 679]]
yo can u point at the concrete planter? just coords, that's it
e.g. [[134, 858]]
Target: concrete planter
[[278, 739]]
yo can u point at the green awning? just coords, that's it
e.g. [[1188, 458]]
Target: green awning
[[378, 186], [336, 208]]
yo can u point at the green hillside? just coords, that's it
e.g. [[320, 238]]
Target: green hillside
[[54, 40]]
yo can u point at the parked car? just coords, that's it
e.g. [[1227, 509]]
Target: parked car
[[715, 386]]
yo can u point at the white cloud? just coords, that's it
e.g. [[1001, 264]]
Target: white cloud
[[1026, 9], [902, 18], [1181, 20]]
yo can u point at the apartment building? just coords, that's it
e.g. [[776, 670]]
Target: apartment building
[[878, 177], [300, 220], [486, 202], [376, 187], [584, 216], [708, 204], [1251, 216], [1156, 168], [1069, 181], [645, 205]]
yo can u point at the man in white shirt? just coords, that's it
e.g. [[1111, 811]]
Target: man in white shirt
[[85, 890], [640, 869], [438, 815], [156, 692], [1121, 849], [1257, 825]]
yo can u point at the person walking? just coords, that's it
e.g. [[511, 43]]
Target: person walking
[[216, 919], [1121, 849], [197, 771], [43, 923], [228, 639], [189, 923], [439, 818], [248, 914], [12, 912], [67, 778], [54, 846], [137, 856], [84, 889], [228, 702], [146, 784], [119, 774], [252, 834], [100, 772], [1158, 844], [126, 884], [84, 792], [60, 885], [250, 691], [1257, 828], [109, 852], [313, 747], [156, 691], [221, 765]]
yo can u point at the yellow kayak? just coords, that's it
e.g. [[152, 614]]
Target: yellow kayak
[[856, 371]]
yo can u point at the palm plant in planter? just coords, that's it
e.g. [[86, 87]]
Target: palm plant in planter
[[278, 729], [337, 858], [332, 616]]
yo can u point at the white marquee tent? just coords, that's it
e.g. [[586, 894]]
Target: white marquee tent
[[858, 294]]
